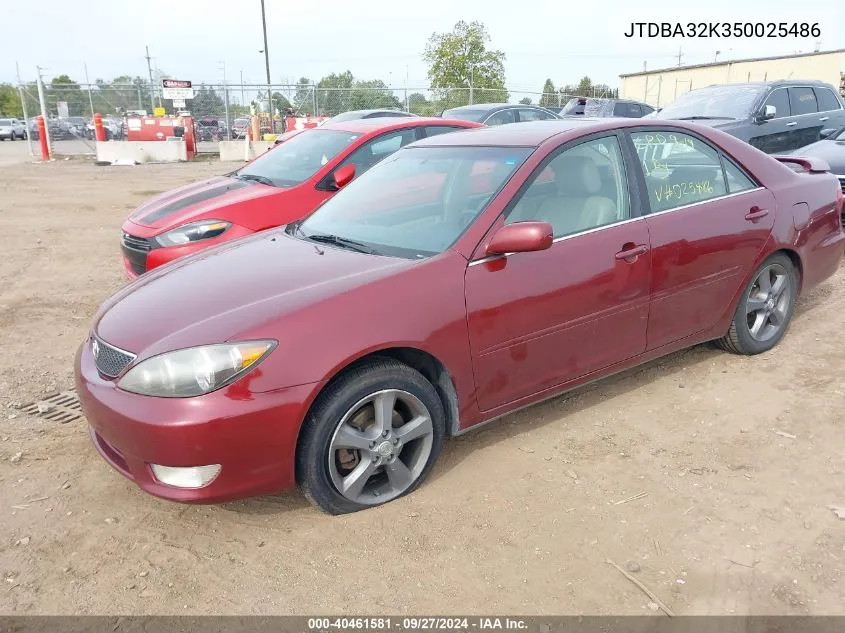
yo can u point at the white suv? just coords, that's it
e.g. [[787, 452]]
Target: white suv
[[12, 129]]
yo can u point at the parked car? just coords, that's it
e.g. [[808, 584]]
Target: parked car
[[278, 187], [240, 128], [368, 114], [450, 285], [598, 107], [12, 129], [500, 113], [775, 116], [832, 150]]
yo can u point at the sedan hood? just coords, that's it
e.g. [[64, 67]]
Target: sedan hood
[[221, 292], [197, 201], [832, 152]]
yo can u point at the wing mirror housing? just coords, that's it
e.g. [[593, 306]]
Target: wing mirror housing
[[827, 133], [768, 112], [343, 175], [521, 237]]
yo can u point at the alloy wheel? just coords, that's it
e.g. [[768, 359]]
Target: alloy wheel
[[767, 305], [381, 447]]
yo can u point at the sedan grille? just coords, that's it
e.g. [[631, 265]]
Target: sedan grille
[[110, 360], [135, 251]]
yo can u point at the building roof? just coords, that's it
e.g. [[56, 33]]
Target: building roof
[[729, 62]]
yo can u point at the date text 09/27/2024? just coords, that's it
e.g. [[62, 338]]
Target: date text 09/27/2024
[[723, 29], [377, 624]]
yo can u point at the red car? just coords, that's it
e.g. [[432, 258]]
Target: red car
[[276, 188], [338, 352]]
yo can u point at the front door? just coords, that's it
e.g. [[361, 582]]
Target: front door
[[775, 135], [539, 320], [708, 223]]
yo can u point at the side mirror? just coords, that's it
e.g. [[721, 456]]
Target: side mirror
[[344, 175], [827, 133], [521, 237], [769, 112]]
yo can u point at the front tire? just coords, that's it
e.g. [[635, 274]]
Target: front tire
[[765, 309], [372, 436]]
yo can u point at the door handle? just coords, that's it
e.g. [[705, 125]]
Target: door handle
[[824, 118], [632, 252], [793, 124], [756, 213]]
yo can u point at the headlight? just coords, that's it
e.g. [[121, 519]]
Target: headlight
[[194, 371], [193, 232]]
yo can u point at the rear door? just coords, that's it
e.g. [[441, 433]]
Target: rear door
[[708, 222], [806, 122], [774, 136]]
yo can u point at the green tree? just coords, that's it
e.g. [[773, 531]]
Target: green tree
[[525, 101], [206, 102], [459, 63], [10, 101], [65, 89], [549, 97], [303, 99]]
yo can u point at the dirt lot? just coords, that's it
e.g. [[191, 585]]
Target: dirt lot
[[518, 517]]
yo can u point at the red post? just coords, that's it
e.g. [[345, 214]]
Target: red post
[[99, 130], [190, 139], [42, 137]]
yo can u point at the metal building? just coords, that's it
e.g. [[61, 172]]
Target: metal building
[[662, 86]]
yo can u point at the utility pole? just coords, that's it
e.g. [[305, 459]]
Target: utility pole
[[243, 98], [471, 77], [152, 88], [23, 105], [267, 64], [43, 103], [680, 55], [407, 103]]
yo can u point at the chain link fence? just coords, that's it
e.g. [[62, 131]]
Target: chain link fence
[[222, 111]]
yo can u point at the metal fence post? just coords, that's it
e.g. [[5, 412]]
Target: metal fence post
[[226, 104], [22, 95], [43, 103]]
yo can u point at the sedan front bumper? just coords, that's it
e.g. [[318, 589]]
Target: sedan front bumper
[[251, 435]]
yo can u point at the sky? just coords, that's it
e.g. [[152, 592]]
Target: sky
[[378, 39]]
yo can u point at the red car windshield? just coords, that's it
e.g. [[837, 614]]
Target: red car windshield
[[297, 159], [415, 203]]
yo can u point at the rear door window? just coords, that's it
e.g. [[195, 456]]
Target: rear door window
[[802, 101], [502, 117]]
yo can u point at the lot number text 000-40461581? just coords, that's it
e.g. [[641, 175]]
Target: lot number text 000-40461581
[[723, 29]]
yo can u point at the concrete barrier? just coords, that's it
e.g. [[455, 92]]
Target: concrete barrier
[[142, 151], [236, 150]]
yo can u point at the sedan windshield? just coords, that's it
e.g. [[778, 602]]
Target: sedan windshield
[[715, 102], [414, 204], [296, 160], [466, 115]]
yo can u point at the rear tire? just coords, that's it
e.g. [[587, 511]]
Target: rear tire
[[372, 436], [765, 308]]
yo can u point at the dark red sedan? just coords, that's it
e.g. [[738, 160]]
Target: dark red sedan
[[524, 260], [278, 187]]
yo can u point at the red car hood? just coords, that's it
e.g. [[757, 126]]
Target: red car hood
[[218, 293], [209, 199]]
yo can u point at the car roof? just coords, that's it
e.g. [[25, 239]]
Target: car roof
[[492, 107], [534, 133], [374, 110], [382, 124]]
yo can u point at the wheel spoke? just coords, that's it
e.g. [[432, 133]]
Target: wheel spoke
[[355, 481], [383, 406], [777, 316], [754, 304], [419, 427], [399, 475], [349, 437], [760, 321], [765, 281], [779, 286]]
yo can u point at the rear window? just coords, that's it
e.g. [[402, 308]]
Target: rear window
[[466, 115], [803, 101]]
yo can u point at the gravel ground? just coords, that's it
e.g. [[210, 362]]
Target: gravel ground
[[709, 477]]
